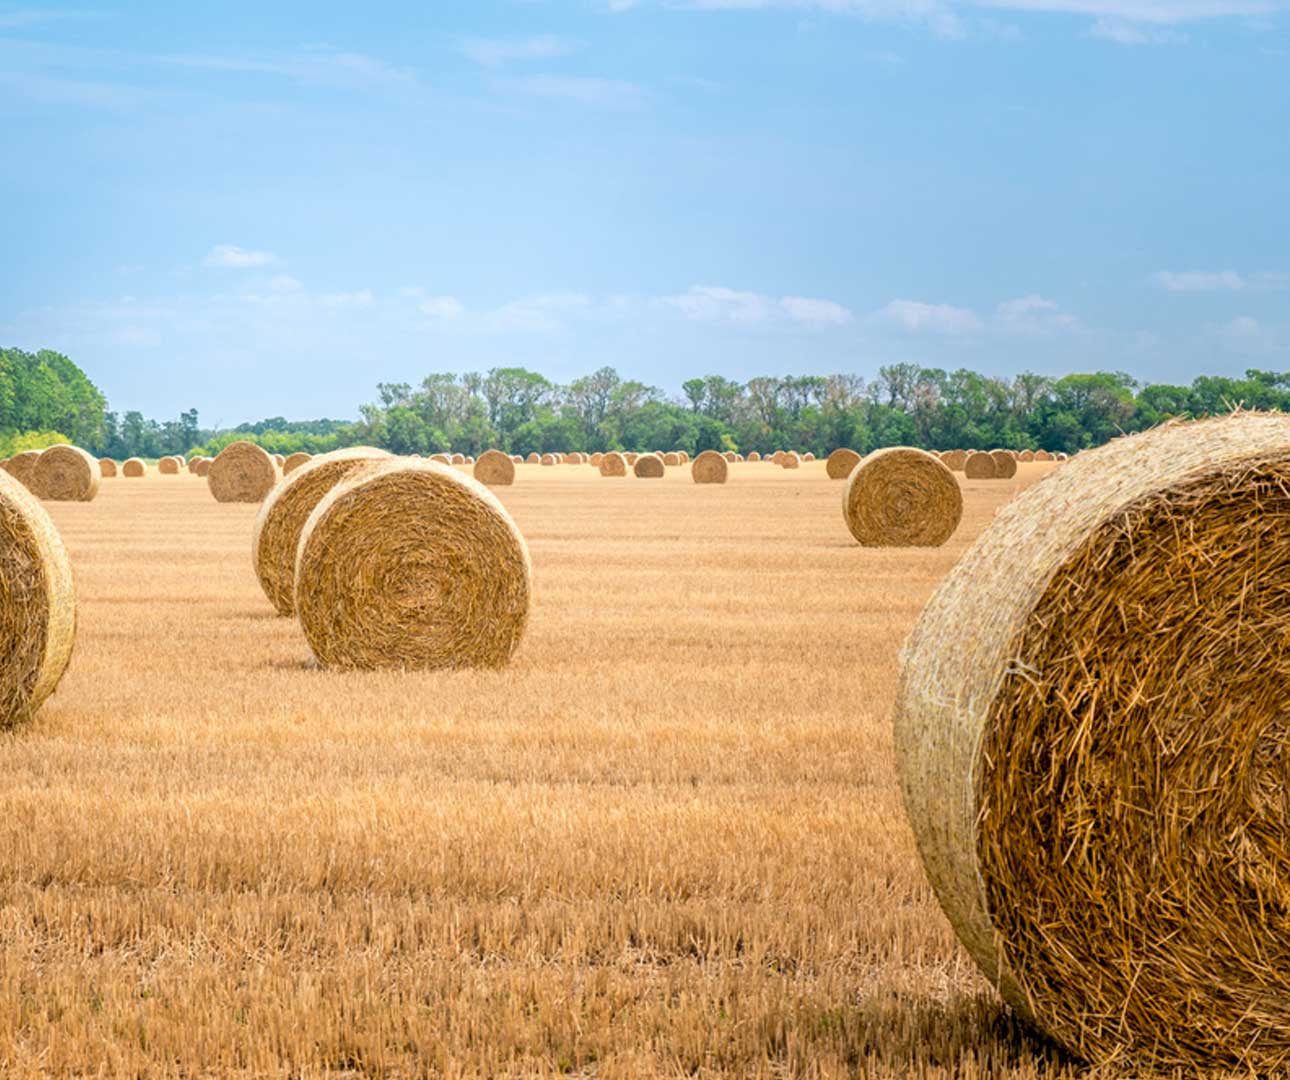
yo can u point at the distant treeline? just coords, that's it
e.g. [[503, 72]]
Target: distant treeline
[[44, 397]]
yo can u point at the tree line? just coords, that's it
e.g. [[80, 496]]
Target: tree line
[[45, 397]]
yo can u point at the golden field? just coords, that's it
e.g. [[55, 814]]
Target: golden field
[[667, 840]]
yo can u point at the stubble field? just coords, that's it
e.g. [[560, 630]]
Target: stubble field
[[668, 840]]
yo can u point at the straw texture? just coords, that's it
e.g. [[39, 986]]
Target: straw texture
[[1026, 456], [202, 466], [613, 464], [671, 458], [790, 460], [37, 604], [294, 461], [1097, 775], [66, 474], [134, 468], [243, 472], [902, 497], [709, 468], [107, 467], [955, 459], [412, 566], [168, 466], [980, 465], [841, 462], [21, 466], [494, 468], [1005, 464], [649, 466], [283, 515]]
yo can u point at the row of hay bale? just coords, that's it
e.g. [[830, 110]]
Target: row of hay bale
[[59, 473], [393, 563]]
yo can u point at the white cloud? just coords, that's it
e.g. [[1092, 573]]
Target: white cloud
[[494, 52], [235, 258], [918, 317], [1199, 281], [438, 307], [717, 303], [1033, 316]]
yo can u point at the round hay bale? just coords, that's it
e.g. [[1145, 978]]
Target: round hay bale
[[613, 464], [134, 468], [533, 459], [754, 456], [1097, 781], [685, 457], [442, 459], [631, 459], [729, 455], [709, 467], [955, 460], [573, 459], [22, 465], [278, 460], [66, 474], [518, 459], [37, 604], [1043, 455], [595, 460], [902, 497], [671, 458], [470, 459], [1005, 465], [282, 518], [242, 472], [548, 459], [979, 466], [739, 457], [1061, 456], [808, 456], [841, 462], [1026, 456], [494, 467], [107, 467], [412, 566], [459, 459], [649, 467], [790, 460], [202, 466], [168, 466], [294, 461]]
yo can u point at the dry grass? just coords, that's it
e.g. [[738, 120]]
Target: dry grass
[[666, 840]]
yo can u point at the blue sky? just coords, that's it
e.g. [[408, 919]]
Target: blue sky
[[266, 208]]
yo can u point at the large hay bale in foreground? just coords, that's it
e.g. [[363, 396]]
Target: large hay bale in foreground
[[107, 468], [1005, 464], [412, 566], [22, 465], [134, 468], [980, 465], [494, 468], [66, 474], [613, 464], [294, 461], [902, 497], [242, 472], [282, 518], [709, 467], [840, 463], [168, 466], [37, 604], [649, 466], [1097, 777]]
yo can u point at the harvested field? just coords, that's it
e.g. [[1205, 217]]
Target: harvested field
[[684, 853]]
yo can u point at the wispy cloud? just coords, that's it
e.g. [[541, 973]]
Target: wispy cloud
[[582, 89], [1199, 281], [718, 303], [20, 18], [494, 52], [232, 257], [918, 317], [320, 64], [1033, 316]]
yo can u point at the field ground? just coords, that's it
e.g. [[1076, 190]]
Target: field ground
[[668, 840]]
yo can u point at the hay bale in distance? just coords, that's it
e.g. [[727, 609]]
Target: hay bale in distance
[[533, 459], [1043, 455], [649, 467], [548, 459], [595, 460], [1097, 783], [1026, 456], [107, 468], [66, 474], [494, 468], [808, 456], [242, 472], [631, 459], [672, 458], [134, 468], [283, 515], [754, 456], [709, 467], [1005, 465], [37, 604], [613, 464], [294, 461], [168, 466], [442, 459], [980, 466], [412, 566], [459, 459], [955, 460], [840, 463], [790, 460], [902, 497], [22, 465], [202, 466]]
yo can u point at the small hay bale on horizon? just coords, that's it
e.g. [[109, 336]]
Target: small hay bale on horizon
[[202, 466], [533, 459], [1026, 456], [613, 464], [902, 497], [494, 468], [294, 461], [168, 465], [1005, 464], [242, 473], [66, 474], [790, 460], [955, 460], [649, 467], [107, 468], [548, 459], [1095, 777], [840, 463], [754, 456], [37, 604], [710, 467], [412, 566], [672, 458], [980, 465], [134, 468]]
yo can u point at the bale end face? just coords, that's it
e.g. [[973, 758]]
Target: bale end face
[[709, 467], [613, 464], [242, 472], [902, 497], [649, 467], [66, 474], [840, 463], [495, 469]]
